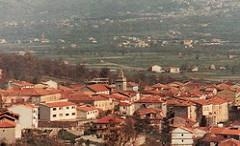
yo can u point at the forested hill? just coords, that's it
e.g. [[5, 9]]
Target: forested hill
[[197, 18], [29, 9]]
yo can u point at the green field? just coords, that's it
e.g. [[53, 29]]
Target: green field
[[139, 60]]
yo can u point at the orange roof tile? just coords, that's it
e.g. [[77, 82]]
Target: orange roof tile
[[131, 84], [5, 123], [9, 113], [214, 100], [86, 108], [151, 92], [183, 121], [228, 142], [158, 85], [224, 131], [128, 93], [149, 110], [179, 102], [124, 104], [64, 88], [119, 97], [78, 87], [186, 128], [58, 104], [29, 92], [98, 87], [212, 138], [80, 97], [151, 99], [109, 119], [24, 104]]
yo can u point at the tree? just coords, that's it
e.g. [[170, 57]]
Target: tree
[[104, 73], [203, 122]]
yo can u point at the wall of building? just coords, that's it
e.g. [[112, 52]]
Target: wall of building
[[181, 137], [127, 110], [29, 121], [104, 104], [44, 113], [63, 113], [87, 115], [7, 134]]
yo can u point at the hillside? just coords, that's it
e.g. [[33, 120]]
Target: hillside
[[176, 19]]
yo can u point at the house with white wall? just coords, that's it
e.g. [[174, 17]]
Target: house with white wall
[[182, 136], [126, 108], [28, 114], [57, 110], [10, 131], [87, 112]]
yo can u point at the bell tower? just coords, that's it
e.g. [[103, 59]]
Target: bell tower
[[121, 81]]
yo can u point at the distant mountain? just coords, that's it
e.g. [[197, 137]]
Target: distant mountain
[[29, 9], [178, 18]]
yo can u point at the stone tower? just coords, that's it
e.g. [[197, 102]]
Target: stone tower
[[121, 82]]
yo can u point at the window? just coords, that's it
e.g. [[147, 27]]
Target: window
[[182, 140], [182, 134], [54, 115], [60, 115], [67, 114], [60, 108], [73, 107], [73, 114], [67, 107], [54, 109]]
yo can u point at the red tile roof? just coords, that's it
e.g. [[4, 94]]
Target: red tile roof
[[110, 86], [158, 85], [224, 131], [80, 97], [78, 87], [224, 86], [176, 84], [183, 121], [151, 99], [131, 84], [119, 97], [24, 104], [109, 119], [58, 104], [151, 92], [212, 138], [214, 100], [229, 142], [98, 87], [179, 102], [149, 110], [124, 104], [186, 128], [30, 92], [127, 93], [86, 108], [9, 113], [99, 97], [64, 88], [5, 123]]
